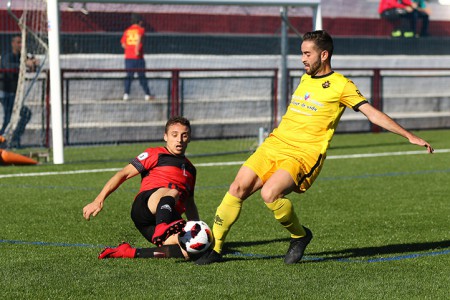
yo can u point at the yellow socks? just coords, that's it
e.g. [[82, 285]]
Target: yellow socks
[[284, 213], [229, 209], [227, 213]]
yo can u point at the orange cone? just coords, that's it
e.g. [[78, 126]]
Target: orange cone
[[10, 158]]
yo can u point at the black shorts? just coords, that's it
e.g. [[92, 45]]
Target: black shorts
[[143, 219]]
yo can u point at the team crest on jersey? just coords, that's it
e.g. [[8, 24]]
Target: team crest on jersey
[[142, 156], [326, 84]]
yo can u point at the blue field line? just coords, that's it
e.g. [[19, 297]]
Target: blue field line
[[253, 255], [401, 257], [347, 260]]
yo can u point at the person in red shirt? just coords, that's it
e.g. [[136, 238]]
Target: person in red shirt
[[407, 12], [132, 43], [166, 192]]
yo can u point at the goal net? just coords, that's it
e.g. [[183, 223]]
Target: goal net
[[217, 65], [25, 105]]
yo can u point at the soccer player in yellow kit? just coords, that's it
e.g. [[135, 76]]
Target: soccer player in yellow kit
[[291, 158]]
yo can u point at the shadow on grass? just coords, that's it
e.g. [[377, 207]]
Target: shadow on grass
[[368, 254]]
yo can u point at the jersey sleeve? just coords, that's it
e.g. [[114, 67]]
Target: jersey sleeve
[[352, 97], [145, 161]]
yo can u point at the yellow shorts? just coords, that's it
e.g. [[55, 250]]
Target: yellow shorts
[[304, 166]]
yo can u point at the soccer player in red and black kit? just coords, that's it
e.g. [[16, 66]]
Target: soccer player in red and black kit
[[167, 191]]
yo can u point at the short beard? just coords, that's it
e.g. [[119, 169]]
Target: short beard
[[314, 68]]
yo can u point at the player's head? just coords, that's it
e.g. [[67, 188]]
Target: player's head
[[177, 135], [317, 49], [321, 39], [136, 19]]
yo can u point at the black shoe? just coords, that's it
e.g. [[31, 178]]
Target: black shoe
[[297, 248], [209, 257]]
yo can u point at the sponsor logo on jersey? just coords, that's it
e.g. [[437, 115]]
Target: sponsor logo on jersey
[[307, 95]]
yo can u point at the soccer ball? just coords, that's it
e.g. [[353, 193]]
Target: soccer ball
[[196, 237]]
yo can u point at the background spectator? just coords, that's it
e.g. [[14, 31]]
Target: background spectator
[[134, 56], [404, 10], [11, 62]]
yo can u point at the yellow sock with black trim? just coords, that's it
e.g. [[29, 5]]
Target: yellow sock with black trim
[[227, 213], [284, 213]]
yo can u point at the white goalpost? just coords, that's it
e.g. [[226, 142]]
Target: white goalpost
[[55, 82]]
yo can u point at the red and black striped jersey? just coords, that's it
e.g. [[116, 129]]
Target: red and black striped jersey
[[160, 168]]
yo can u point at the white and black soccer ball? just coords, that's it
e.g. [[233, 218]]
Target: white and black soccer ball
[[196, 237]]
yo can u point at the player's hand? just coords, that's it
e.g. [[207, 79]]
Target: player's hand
[[92, 209], [429, 148], [420, 142]]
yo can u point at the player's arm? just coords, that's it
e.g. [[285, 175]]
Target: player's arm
[[123, 40], [191, 210], [137, 47], [93, 208], [379, 118]]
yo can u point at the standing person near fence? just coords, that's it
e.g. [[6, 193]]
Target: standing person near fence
[[132, 43], [11, 62], [290, 159]]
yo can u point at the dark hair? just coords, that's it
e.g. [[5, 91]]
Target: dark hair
[[178, 120], [322, 40], [136, 18]]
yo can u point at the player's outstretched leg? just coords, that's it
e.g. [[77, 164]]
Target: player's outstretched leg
[[164, 230], [124, 250], [297, 247], [226, 215]]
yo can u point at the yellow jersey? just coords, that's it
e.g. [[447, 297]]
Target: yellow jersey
[[315, 110]]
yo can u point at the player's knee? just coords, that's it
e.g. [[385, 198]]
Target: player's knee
[[238, 190], [269, 194]]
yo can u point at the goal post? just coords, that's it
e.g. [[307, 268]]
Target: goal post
[[55, 82]]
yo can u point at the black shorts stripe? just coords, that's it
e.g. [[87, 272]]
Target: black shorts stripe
[[311, 172]]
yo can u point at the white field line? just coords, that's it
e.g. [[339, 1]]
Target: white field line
[[231, 163]]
